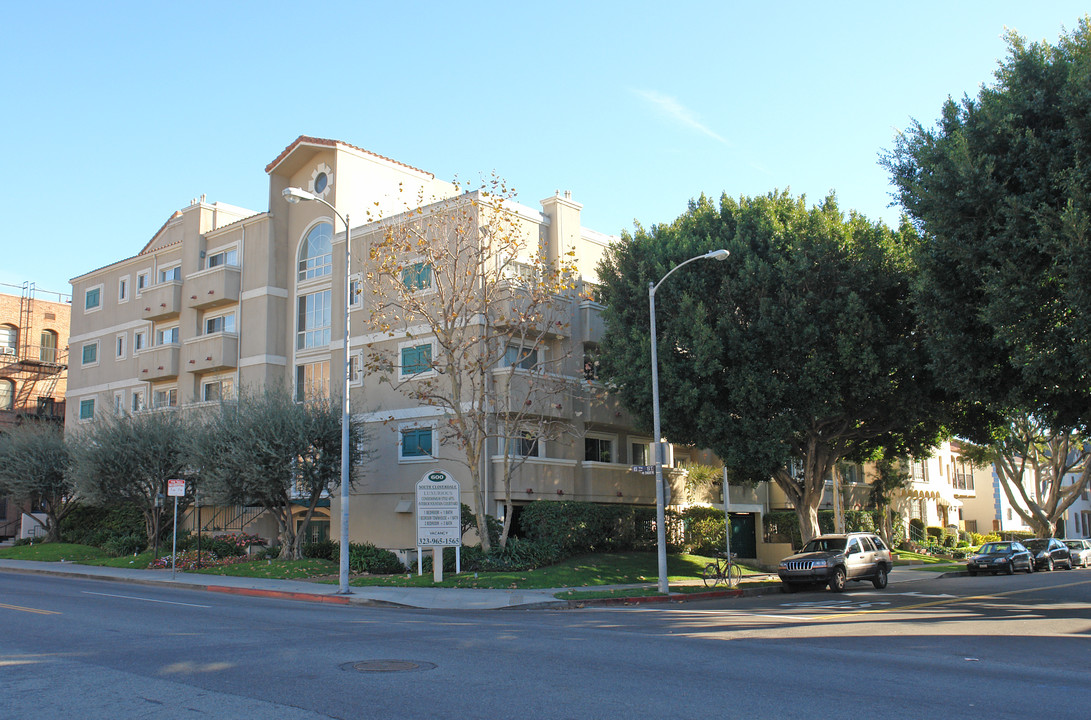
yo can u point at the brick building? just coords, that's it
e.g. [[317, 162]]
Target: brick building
[[33, 366]]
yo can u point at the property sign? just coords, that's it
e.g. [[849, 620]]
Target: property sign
[[643, 469], [176, 488], [439, 510]]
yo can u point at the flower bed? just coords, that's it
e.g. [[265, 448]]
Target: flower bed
[[187, 560]]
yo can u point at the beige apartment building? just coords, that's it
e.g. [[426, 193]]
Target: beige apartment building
[[223, 298]]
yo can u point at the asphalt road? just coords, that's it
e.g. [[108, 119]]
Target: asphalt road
[[989, 647]]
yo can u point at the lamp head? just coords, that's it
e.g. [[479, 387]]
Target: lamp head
[[717, 255], [294, 195]]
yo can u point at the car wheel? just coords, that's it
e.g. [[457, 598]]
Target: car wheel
[[1049, 565], [1030, 566], [837, 580], [880, 579], [1010, 569]]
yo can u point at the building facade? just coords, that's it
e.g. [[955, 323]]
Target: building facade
[[223, 298], [33, 368]]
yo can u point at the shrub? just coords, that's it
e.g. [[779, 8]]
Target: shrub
[[366, 558], [991, 537], [118, 545], [95, 526], [321, 550], [935, 534], [580, 527], [704, 530]]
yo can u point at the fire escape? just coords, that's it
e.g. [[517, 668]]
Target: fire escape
[[36, 369]]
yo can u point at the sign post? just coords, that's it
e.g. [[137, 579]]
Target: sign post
[[439, 519], [176, 488]]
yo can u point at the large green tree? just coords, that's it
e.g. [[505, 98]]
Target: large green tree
[[1000, 189], [799, 351], [34, 462]]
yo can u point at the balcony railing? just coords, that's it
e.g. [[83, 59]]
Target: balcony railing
[[162, 301]]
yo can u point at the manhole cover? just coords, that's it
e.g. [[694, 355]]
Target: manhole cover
[[385, 666]]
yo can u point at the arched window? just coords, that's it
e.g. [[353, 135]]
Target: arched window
[[47, 352], [7, 394], [316, 252], [9, 339]]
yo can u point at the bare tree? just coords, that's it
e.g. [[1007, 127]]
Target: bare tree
[[490, 302], [34, 463]]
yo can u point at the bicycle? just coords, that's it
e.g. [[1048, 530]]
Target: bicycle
[[724, 570]]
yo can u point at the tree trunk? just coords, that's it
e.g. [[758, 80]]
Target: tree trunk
[[808, 521]]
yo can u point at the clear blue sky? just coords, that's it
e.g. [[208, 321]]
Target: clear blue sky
[[116, 114]]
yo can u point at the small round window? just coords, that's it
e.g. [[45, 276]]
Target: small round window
[[320, 182]]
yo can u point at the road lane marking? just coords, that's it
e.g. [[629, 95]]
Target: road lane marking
[[131, 597], [20, 608], [951, 601]]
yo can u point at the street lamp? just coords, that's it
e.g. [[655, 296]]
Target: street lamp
[[294, 195], [660, 490]]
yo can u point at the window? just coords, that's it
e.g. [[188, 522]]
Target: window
[[166, 336], [416, 442], [119, 346], [640, 454], [47, 351], [354, 370], [590, 365], [316, 253], [217, 390], [139, 340], [138, 401], [312, 379], [171, 273], [90, 353], [416, 359], [854, 547], [92, 298], [7, 394], [87, 409], [9, 339], [119, 403], [123, 289], [598, 449], [313, 321], [356, 290], [220, 323], [165, 398], [417, 276], [523, 358], [525, 273], [525, 444], [918, 471], [224, 257], [141, 282]]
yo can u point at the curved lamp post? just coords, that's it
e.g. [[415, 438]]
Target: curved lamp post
[[295, 195], [660, 491]]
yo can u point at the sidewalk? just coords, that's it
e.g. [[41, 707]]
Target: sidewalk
[[410, 597]]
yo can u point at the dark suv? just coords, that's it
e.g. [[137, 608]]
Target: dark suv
[[835, 559]]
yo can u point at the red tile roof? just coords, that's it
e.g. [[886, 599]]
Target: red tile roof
[[308, 140]]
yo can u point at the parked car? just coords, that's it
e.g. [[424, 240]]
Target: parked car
[[1079, 551], [1049, 553], [997, 557], [835, 559]]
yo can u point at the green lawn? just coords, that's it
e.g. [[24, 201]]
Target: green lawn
[[684, 571]]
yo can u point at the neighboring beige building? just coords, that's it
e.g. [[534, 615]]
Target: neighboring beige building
[[223, 298]]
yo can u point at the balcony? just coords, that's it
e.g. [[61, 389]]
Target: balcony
[[551, 316], [531, 393], [160, 363], [213, 287], [592, 326], [161, 302], [219, 351]]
